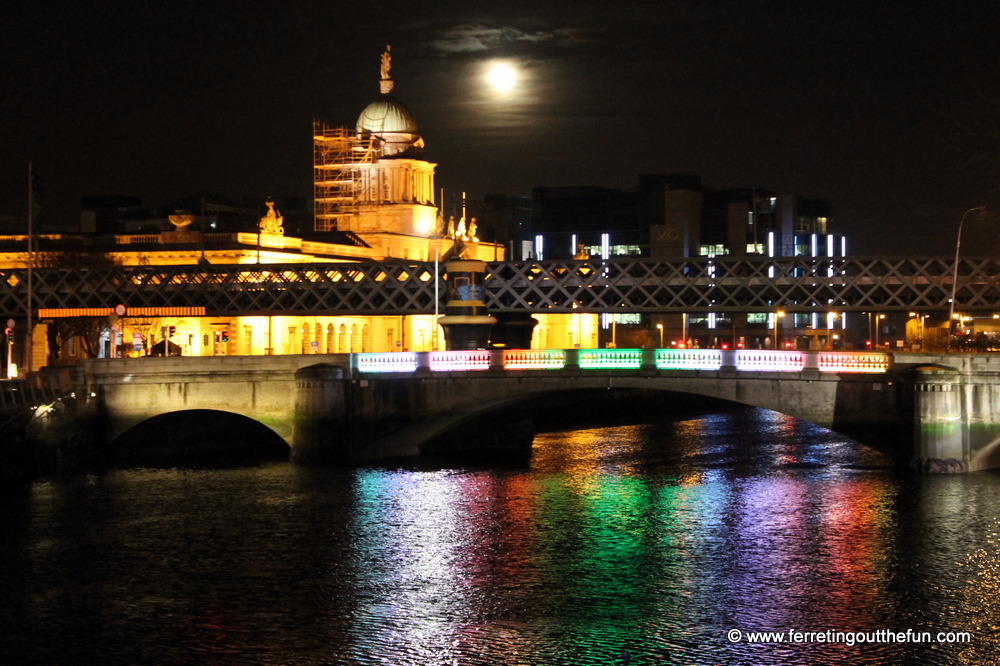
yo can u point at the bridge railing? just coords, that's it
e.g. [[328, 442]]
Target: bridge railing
[[534, 359], [688, 359], [610, 358], [770, 360], [853, 362], [744, 360]]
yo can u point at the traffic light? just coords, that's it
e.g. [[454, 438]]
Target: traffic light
[[225, 336], [171, 331]]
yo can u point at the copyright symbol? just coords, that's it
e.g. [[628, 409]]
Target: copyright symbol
[[735, 635]]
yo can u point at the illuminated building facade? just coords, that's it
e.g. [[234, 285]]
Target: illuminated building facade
[[374, 200]]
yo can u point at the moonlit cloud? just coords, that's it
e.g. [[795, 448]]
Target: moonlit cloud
[[470, 38]]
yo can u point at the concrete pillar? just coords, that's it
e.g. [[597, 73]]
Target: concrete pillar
[[941, 423], [321, 431]]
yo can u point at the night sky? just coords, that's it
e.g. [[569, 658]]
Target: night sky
[[891, 112]]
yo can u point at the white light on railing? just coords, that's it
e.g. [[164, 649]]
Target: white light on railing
[[387, 362], [688, 359], [477, 359], [773, 361]]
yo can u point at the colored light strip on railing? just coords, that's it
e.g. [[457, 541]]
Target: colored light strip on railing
[[763, 360], [387, 362], [688, 359], [478, 359], [610, 358], [853, 362], [534, 359]]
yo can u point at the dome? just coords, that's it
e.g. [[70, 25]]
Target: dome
[[387, 114]]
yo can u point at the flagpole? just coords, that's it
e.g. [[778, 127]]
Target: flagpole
[[31, 262]]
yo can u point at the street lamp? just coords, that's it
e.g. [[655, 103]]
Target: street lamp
[[830, 316], [660, 326], [954, 275], [777, 317]]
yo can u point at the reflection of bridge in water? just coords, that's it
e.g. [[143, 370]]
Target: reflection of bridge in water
[[720, 284], [935, 412]]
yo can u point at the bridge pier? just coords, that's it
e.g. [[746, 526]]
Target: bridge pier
[[321, 429], [941, 443], [956, 413]]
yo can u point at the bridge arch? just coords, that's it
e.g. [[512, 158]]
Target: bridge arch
[[457, 418], [190, 434]]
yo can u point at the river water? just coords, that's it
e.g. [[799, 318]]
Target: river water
[[654, 541]]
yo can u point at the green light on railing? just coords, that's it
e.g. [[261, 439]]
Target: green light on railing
[[610, 358]]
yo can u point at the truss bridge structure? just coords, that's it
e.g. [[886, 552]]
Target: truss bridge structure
[[717, 284]]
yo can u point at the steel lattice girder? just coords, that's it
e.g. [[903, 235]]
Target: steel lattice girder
[[721, 284]]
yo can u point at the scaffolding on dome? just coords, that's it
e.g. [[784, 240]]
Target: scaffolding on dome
[[339, 157]]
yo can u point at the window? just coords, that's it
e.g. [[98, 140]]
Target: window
[[714, 250]]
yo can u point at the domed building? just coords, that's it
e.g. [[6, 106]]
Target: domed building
[[372, 182]]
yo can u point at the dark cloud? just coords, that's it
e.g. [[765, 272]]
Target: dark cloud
[[476, 38]]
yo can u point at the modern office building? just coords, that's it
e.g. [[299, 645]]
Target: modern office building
[[673, 217]]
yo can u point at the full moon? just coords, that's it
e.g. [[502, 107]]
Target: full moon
[[502, 77]]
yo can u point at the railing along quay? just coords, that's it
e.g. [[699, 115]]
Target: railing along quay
[[19, 393], [719, 284]]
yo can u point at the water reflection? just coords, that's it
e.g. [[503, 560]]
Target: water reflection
[[657, 539]]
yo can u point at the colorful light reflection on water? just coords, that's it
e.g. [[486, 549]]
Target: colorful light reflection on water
[[654, 539]]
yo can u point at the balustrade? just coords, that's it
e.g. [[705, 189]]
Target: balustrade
[[747, 360]]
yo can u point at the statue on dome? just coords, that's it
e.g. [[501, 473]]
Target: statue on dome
[[451, 227], [472, 231], [386, 63], [460, 231]]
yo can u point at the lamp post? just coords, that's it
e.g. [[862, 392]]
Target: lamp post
[[954, 276], [660, 326], [919, 332], [830, 316], [777, 321]]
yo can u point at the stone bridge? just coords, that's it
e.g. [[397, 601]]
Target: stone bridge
[[938, 413]]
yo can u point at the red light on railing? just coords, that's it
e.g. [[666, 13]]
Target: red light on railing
[[725, 346]]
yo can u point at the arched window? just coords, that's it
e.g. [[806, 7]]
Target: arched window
[[366, 338], [305, 339], [331, 344], [342, 347], [355, 339], [318, 338]]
